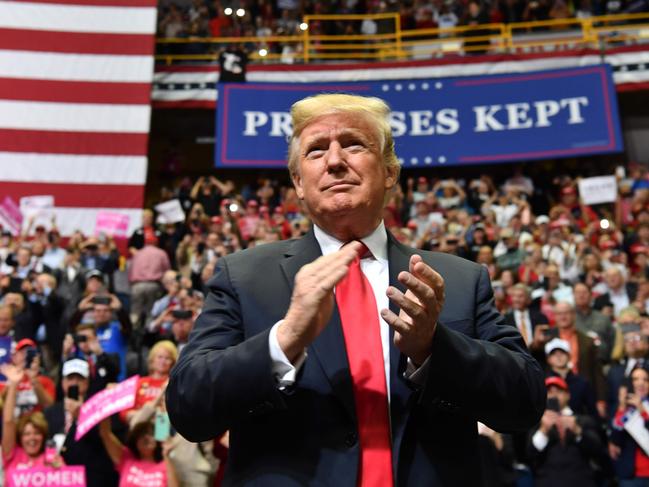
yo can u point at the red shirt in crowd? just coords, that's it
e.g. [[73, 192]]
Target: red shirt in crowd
[[148, 389], [26, 398]]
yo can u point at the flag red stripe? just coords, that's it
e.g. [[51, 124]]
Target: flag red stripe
[[80, 195], [184, 104], [76, 42], [98, 3], [91, 143], [74, 91]]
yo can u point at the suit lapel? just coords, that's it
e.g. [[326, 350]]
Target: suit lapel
[[329, 348]]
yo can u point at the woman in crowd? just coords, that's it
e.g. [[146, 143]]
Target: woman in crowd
[[143, 460], [23, 441], [162, 358], [631, 461]]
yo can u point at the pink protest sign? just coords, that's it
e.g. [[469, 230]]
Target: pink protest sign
[[10, 214], [106, 403], [113, 224], [47, 477]]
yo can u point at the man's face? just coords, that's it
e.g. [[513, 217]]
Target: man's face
[[181, 328], [613, 278], [340, 171], [519, 299], [558, 359], [564, 315], [581, 295], [102, 314], [90, 335]]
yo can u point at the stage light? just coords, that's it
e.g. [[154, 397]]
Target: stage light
[[304, 26], [604, 224], [241, 12], [263, 52], [228, 11], [234, 207]]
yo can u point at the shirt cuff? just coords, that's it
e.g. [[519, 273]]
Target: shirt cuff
[[416, 374], [283, 370], [540, 440]]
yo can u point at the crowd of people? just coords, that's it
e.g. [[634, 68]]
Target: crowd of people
[[88, 312], [201, 19]]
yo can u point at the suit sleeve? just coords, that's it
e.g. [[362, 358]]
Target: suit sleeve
[[222, 377], [491, 378]]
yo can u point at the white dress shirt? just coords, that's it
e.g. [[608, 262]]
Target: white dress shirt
[[376, 271]]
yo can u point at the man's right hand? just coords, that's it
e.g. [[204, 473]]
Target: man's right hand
[[313, 300], [548, 420]]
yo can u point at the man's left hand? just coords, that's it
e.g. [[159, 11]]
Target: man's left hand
[[420, 307]]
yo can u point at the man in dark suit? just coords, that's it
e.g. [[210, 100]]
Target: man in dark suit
[[525, 319], [276, 356]]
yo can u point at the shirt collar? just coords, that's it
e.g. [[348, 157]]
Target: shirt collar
[[376, 242]]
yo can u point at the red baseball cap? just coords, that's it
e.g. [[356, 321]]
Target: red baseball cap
[[24, 343], [557, 382], [217, 220]]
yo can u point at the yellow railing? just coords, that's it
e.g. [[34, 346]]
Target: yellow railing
[[390, 42]]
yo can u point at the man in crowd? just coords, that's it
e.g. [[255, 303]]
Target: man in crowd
[[582, 394], [148, 265], [300, 376], [595, 324], [619, 294], [84, 344], [112, 332], [584, 358], [62, 419], [565, 443], [521, 316]]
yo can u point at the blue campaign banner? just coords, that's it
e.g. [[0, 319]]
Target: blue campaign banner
[[449, 121]]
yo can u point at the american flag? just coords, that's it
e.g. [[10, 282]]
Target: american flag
[[75, 81]]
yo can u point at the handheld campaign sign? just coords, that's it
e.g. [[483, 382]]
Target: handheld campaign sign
[[74, 476], [106, 403], [446, 121]]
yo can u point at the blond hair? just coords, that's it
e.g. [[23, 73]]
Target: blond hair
[[166, 345], [375, 110], [38, 421]]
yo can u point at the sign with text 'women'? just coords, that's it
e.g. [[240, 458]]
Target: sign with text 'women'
[[74, 476], [451, 121]]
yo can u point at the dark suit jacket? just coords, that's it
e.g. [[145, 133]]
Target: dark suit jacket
[[479, 369], [536, 318]]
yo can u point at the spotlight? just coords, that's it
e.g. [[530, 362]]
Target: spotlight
[[263, 52], [228, 11], [241, 12], [304, 26]]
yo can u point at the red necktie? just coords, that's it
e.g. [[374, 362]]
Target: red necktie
[[360, 323]]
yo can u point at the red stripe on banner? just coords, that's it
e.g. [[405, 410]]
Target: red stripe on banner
[[624, 87], [90, 143], [76, 42], [98, 3], [184, 104], [80, 195], [74, 91]]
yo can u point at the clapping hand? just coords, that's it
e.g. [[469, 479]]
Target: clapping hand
[[420, 306]]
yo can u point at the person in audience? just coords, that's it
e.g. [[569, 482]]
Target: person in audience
[[630, 459], [23, 440], [62, 419], [162, 358], [636, 354], [143, 460], [84, 344], [521, 316], [564, 444], [595, 324], [619, 293], [34, 392]]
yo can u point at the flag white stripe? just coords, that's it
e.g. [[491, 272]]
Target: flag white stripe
[[77, 18], [69, 168], [190, 77], [182, 95], [87, 117], [76, 67]]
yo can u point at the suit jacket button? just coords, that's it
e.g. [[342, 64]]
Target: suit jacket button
[[351, 439]]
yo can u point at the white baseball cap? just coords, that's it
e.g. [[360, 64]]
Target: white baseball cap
[[76, 366], [557, 344]]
